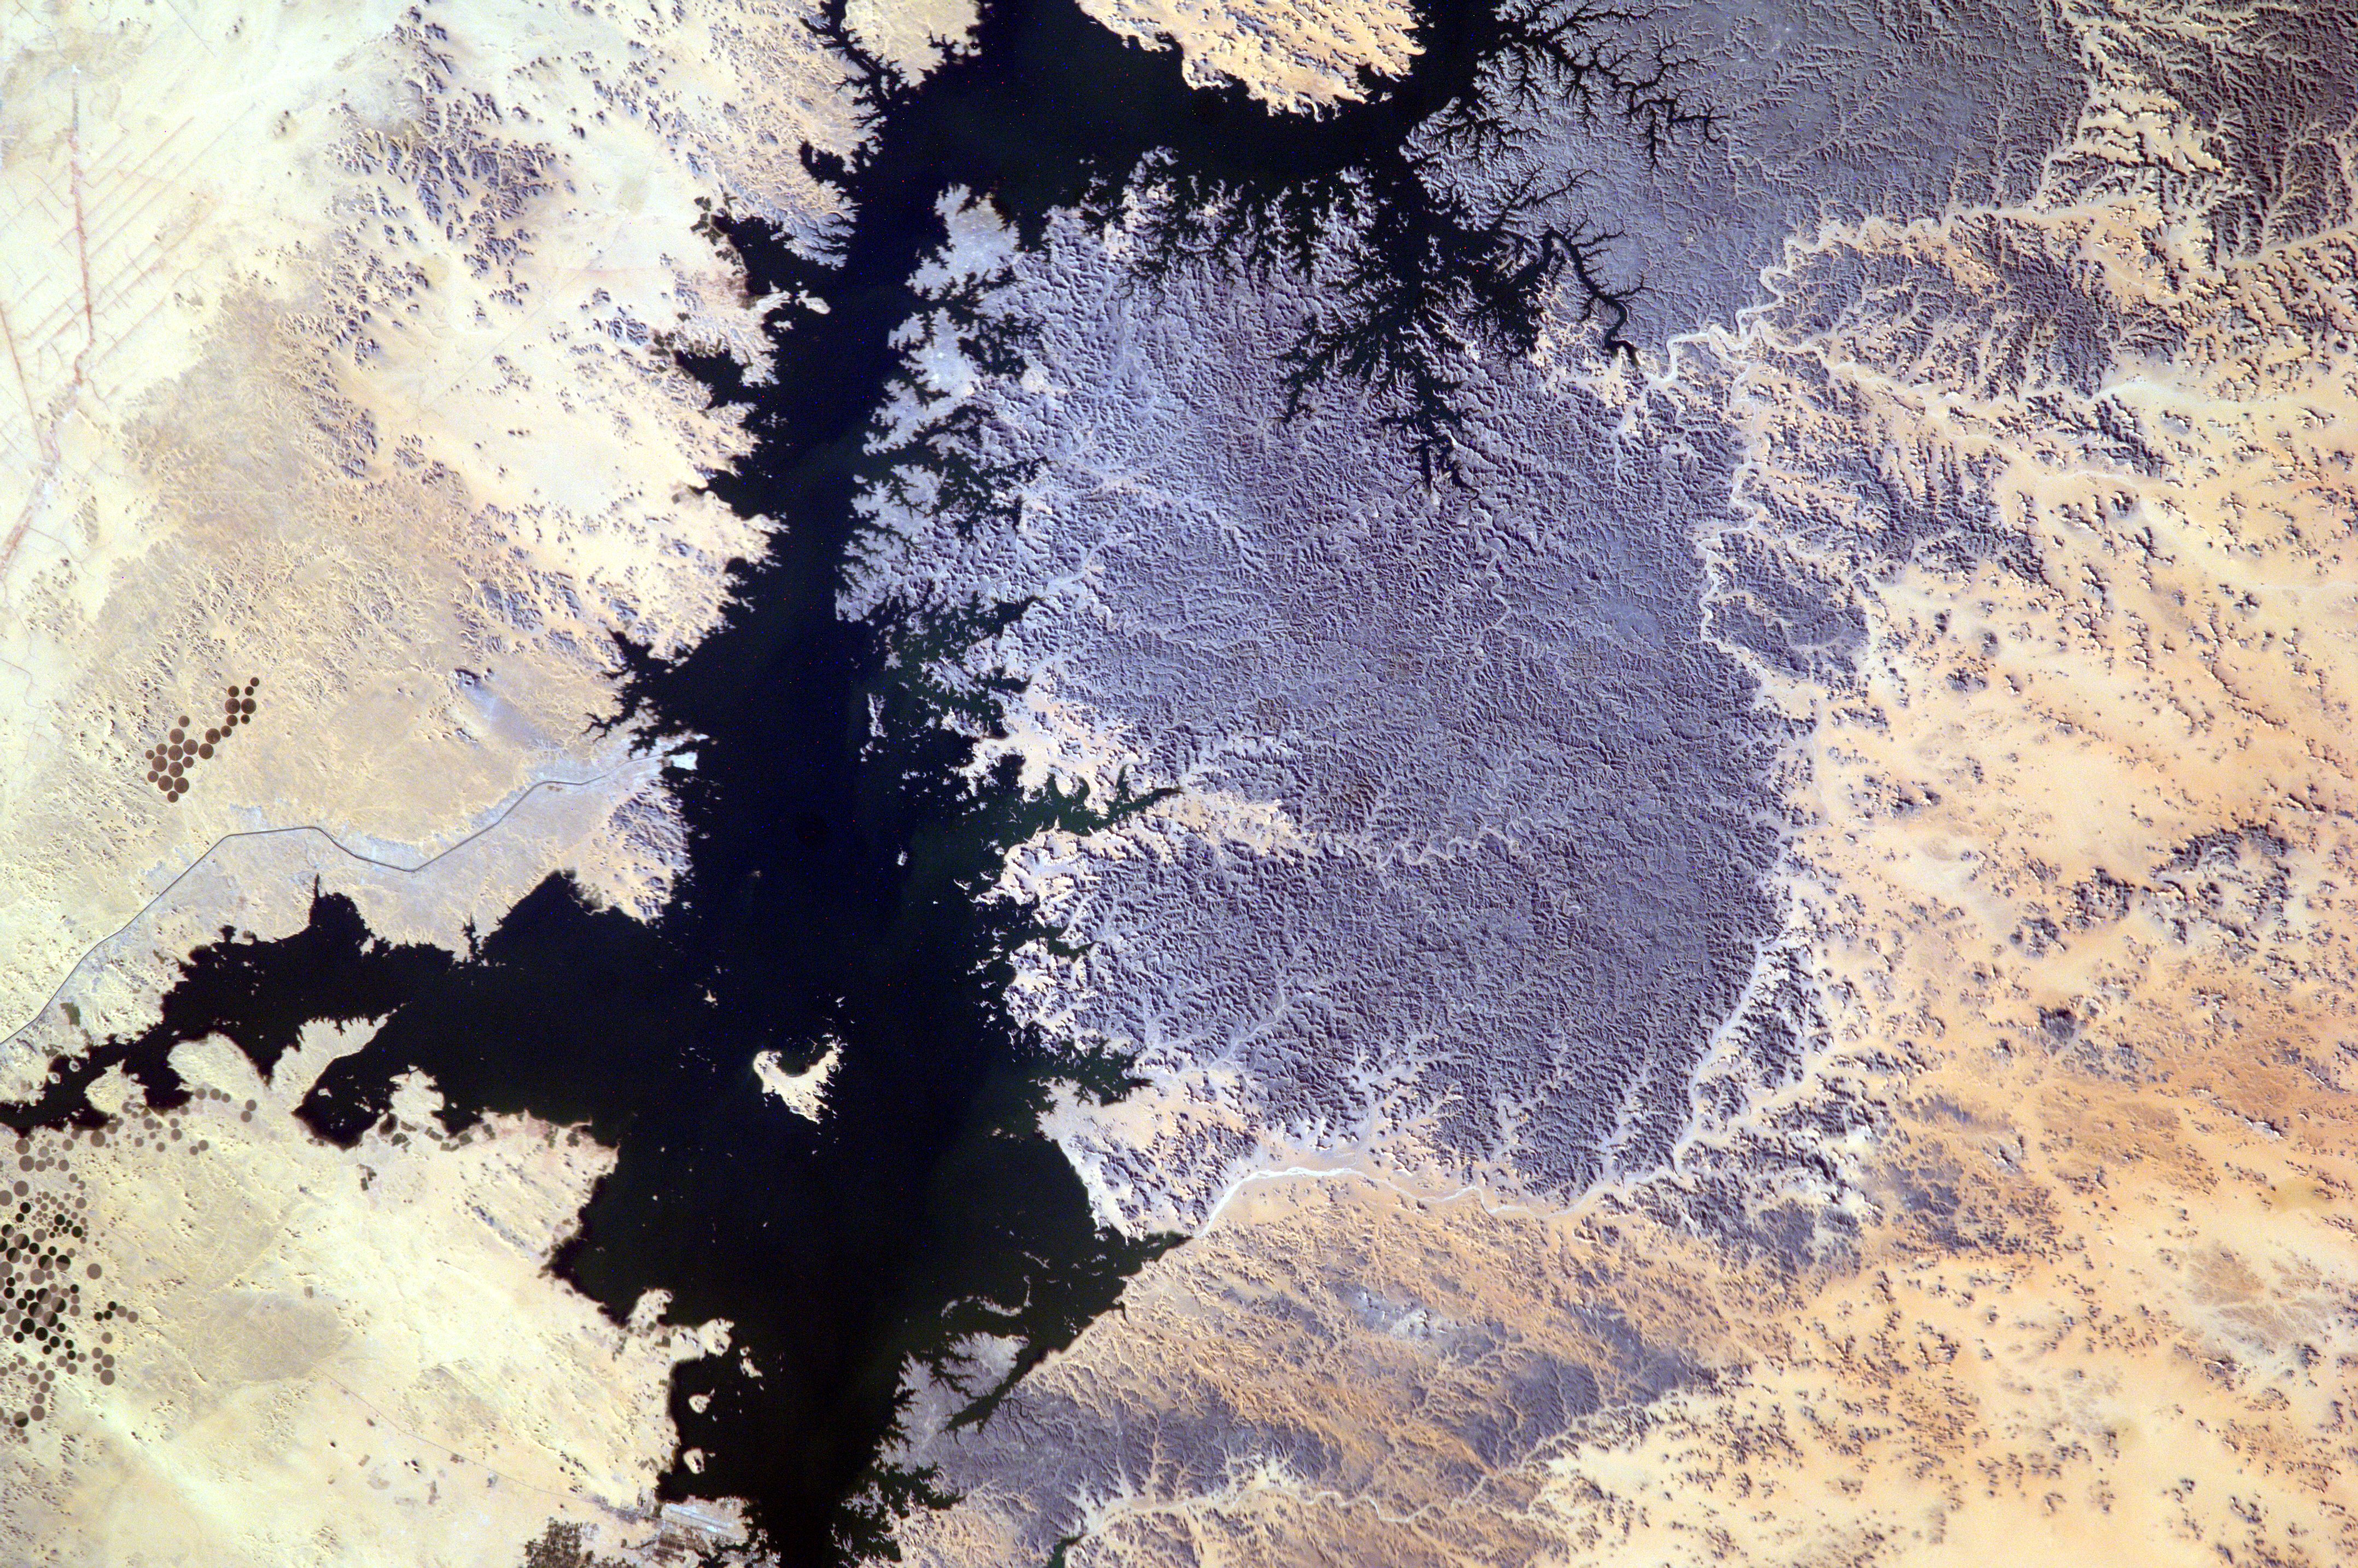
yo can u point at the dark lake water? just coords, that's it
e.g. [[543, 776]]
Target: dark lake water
[[836, 862]]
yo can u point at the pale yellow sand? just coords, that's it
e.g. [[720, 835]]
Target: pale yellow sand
[[337, 353], [2070, 1275], [352, 1357], [1301, 56], [803, 1093], [911, 36]]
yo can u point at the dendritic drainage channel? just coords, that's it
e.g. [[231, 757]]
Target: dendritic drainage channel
[[841, 851]]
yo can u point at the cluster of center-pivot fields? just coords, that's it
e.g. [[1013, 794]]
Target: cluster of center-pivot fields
[[170, 763]]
